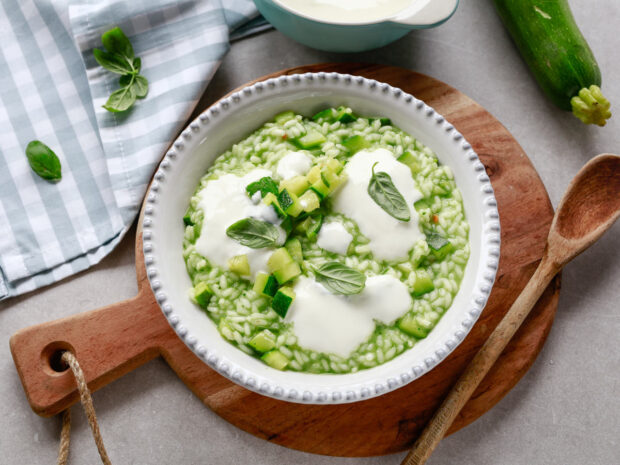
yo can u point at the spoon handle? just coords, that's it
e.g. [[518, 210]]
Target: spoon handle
[[480, 365]]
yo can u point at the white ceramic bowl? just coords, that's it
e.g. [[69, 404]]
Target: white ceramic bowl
[[231, 120]]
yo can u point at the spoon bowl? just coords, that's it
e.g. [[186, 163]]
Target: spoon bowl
[[589, 207]]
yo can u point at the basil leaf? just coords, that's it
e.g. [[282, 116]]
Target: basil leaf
[[120, 100], [137, 64], [384, 193], [115, 41], [264, 185], [112, 62], [43, 161], [140, 84], [254, 233], [340, 279]]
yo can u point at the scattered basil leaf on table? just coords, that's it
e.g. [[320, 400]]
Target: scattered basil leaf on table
[[43, 161], [119, 58], [340, 279], [254, 233], [383, 191]]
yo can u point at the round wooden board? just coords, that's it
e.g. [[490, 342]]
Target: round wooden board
[[132, 332]]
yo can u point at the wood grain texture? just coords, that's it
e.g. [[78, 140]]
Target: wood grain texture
[[111, 341]]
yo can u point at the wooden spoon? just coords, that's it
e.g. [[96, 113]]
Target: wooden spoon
[[589, 207]]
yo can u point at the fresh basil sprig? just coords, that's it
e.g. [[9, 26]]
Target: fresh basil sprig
[[43, 161], [119, 58], [340, 279], [383, 191], [254, 233]]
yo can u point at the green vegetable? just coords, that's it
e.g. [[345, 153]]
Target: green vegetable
[[264, 185], [254, 233], [416, 327], [340, 279], [556, 52], [119, 58], [282, 265], [263, 341], [310, 140], [383, 191], [309, 201], [284, 117], [239, 264], [295, 185], [43, 161], [272, 199], [187, 218], [282, 300], [411, 161], [355, 143], [439, 245], [265, 284], [294, 249], [423, 283], [275, 359], [202, 294]]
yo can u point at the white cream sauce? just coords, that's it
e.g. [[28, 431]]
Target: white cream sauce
[[347, 11], [224, 201], [338, 324], [333, 237], [390, 239], [293, 164]]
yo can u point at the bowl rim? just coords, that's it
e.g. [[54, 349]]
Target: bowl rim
[[480, 290], [396, 18]]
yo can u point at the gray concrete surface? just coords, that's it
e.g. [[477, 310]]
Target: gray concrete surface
[[565, 411]]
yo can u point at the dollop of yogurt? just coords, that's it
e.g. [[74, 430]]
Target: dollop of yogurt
[[333, 237], [225, 201], [293, 164], [338, 324], [390, 239]]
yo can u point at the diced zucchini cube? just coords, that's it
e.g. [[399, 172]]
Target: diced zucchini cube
[[294, 249], [423, 283], [309, 201], [287, 225], [316, 221], [187, 218], [283, 300], [283, 117], [287, 273], [439, 245], [320, 188], [333, 165], [239, 264], [285, 200], [311, 139], [282, 265], [265, 284], [422, 203], [295, 185], [327, 115], [275, 359], [410, 325], [385, 121], [263, 341], [314, 174], [202, 294], [411, 161], [271, 199], [355, 143], [345, 115]]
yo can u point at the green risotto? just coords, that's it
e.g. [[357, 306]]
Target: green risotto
[[328, 244]]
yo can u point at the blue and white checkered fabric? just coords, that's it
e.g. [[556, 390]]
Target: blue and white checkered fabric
[[51, 89]]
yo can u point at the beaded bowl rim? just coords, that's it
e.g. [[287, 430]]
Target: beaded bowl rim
[[293, 392]]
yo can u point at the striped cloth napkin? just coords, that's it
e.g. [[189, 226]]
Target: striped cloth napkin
[[52, 89]]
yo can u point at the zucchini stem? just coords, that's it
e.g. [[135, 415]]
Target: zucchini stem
[[591, 106]]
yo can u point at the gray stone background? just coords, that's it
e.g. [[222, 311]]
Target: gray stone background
[[564, 411]]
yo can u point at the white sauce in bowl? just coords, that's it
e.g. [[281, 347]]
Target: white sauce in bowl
[[333, 237], [224, 201], [390, 239], [347, 11], [293, 164], [338, 324]]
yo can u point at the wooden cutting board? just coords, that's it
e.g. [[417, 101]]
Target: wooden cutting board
[[113, 340]]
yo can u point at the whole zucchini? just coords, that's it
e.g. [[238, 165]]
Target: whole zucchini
[[549, 40]]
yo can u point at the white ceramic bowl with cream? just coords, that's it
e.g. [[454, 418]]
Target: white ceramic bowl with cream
[[230, 120]]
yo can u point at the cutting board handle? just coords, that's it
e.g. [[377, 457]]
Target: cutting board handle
[[107, 342]]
